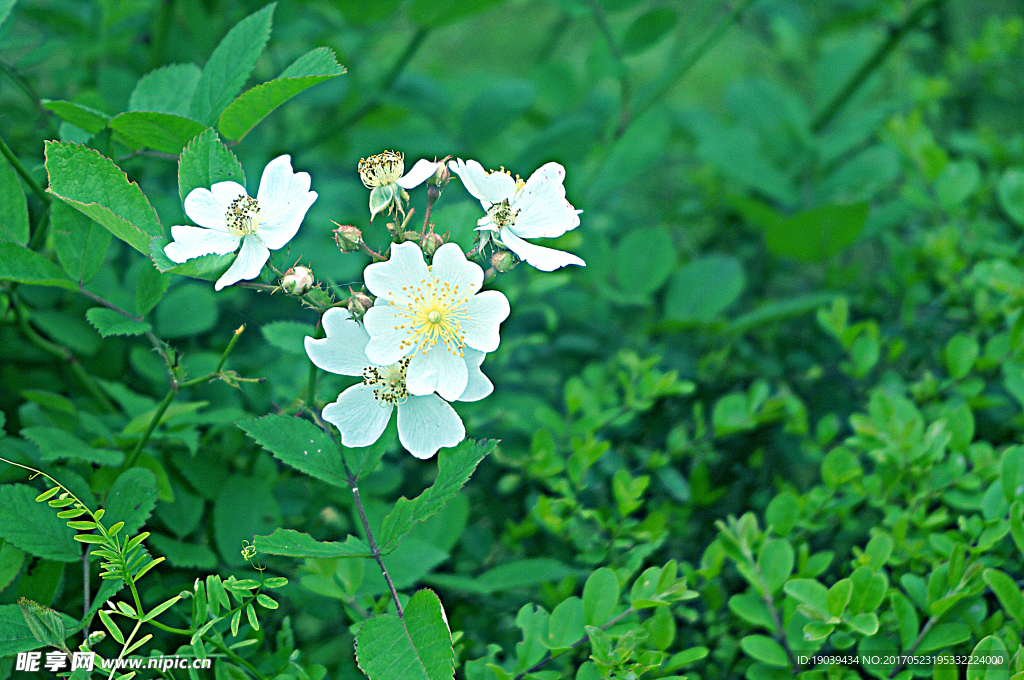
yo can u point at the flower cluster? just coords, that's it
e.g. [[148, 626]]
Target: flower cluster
[[420, 332]]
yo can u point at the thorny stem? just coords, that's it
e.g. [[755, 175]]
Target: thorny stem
[[374, 255], [29, 180], [546, 660], [374, 548], [896, 34]]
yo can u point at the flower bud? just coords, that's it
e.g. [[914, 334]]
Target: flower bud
[[95, 637], [297, 280], [503, 261], [430, 242], [358, 303], [348, 238]]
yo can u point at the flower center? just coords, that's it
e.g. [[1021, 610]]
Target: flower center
[[388, 383], [243, 216], [434, 315], [502, 214], [384, 168]]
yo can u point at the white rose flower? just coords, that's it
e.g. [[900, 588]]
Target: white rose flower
[[425, 423], [431, 315], [519, 210], [228, 216]]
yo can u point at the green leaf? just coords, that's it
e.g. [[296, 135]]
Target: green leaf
[[15, 634], [131, 499], [244, 508], [300, 444], [13, 207], [164, 132], [292, 543], [565, 625], [417, 646], [1011, 195], [523, 573], [944, 635], [764, 649], [961, 353], [18, 263], [11, 561], [92, 183], [56, 444], [435, 13], [230, 65], [906, 619], [81, 243], [34, 527], [150, 289], [189, 309], [1007, 592], [253, 106], [879, 549], [956, 183], [206, 161], [46, 625], [208, 267], [648, 29], [816, 235], [752, 609], [600, 597], [5, 9], [644, 259], [287, 336], [108, 322], [776, 560], [809, 592], [990, 649], [703, 288], [111, 627], [168, 89], [139, 423], [90, 120], [454, 468]]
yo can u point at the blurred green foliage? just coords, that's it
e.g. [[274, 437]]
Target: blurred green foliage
[[778, 413]]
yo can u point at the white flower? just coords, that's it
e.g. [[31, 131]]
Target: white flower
[[425, 423], [432, 315], [382, 174], [519, 210], [228, 216]]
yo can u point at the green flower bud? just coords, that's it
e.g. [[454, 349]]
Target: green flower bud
[[358, 303], [348, 238], [503, 261]]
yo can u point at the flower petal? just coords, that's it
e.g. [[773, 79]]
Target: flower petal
[[437, 370], [284, 199], [405, 268], [386, 345], [358, 415], [540, 206], [205, 209], [478, 386], [247, 265], [544, 259], [225, 192], [420, 173], [486, 311], [192, 242], [494, 187], [281, 227], [343, 351], [427, 423], [451, 266]]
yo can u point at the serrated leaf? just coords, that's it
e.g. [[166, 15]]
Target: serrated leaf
[[90, 120], [56, 444], [108, 322], [300, 444], [46, 625], [292, 543], [149, 289], [154, 130], [251, 107], [131, 499], [34, 527], [230, 65], [92, 183], [419, 645], [206, 161], [11, 561], [81, 243], [15, 635], [18, 263], [168, 89], [454, 465], [13, 207]]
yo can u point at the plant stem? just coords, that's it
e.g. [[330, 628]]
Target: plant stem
[[30, 92], [318, 333], [153, 422], [546, 660], [625, 88], [158, 344], [29, 180], [830, 110], [374, 548], [235, 658]]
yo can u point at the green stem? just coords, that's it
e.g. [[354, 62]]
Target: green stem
[[153, 422], [830, 110], [39, 229], [236, 659], [625, 88], [374, 548], [313, 371], [29, 180]]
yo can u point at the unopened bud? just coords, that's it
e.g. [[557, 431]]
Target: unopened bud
[[329, 515], [358, 303], [348, 238], [185, 594], [430, 242], [297, 280], [503, 261], [95, 637]]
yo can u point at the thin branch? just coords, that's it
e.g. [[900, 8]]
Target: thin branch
[[625, 87], [830, 110], [29, 180], [374, 548]]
